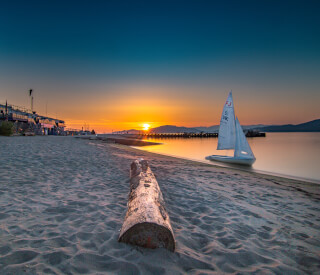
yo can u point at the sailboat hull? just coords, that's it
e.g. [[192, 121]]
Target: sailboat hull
[[234, 160]]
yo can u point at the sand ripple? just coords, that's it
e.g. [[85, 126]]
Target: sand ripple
[[63, 200]]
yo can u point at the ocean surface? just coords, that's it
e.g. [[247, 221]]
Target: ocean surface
[[295, 155]]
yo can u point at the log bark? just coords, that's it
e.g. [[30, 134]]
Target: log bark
[[147, 222]]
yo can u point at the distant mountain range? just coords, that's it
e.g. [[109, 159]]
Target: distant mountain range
[[173, 129], [311, 126], [211, 129], [215, 128]]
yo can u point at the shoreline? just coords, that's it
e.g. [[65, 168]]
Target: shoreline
[[129, 141], [275, 179], [260, 172], [133, 141]]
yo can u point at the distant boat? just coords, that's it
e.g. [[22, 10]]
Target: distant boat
[[231, 136]]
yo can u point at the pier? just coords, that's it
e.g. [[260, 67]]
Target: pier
[[180, 135], [195, 135]]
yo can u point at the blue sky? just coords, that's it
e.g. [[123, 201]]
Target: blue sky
[[263, 50]]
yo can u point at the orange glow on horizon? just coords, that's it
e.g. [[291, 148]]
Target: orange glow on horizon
[[126, 106], [146, 127]]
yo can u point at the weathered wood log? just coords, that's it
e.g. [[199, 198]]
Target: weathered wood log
[[147, 222]]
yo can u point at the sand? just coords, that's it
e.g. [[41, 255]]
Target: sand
[[130, 140], [63, 201]]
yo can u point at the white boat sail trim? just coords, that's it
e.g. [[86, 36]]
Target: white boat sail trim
[[227, 137], [242, 148]]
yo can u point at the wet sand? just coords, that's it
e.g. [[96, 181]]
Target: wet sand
[[63, 201], [130, 140]]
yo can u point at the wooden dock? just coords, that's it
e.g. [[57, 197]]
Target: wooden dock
[[180, 135], [195, 135]]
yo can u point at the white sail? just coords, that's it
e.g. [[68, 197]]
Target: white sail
[[226, 139], [242, 148]]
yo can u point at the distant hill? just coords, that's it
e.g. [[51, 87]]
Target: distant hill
[[254, 127], [172, 129], [311, 126], [211, 129], [131, 131], [215, 128]]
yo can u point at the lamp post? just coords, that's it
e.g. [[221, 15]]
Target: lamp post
[[31, 98], [6, 110]]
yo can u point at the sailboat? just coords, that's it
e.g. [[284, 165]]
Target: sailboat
[[231, 136]]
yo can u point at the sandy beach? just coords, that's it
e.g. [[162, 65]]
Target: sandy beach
[[63, 201]]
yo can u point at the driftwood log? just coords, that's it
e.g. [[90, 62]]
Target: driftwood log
[[147, 222]]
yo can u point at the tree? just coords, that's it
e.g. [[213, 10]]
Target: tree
[[6, 128]]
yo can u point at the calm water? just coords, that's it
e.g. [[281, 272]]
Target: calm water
[[292, 154]]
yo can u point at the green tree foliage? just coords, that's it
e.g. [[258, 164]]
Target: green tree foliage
[[6, 128]]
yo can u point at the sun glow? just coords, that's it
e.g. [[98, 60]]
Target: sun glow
[[146, 127]]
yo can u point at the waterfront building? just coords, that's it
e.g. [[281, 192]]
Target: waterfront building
[[25, 120]]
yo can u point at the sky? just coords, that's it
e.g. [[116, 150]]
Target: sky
[[116, 65]]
